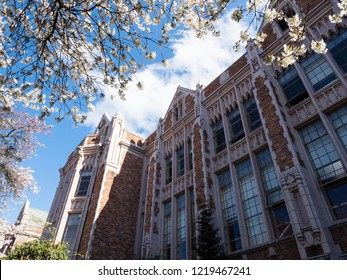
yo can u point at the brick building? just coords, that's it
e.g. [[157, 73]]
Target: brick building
[[265, 147]]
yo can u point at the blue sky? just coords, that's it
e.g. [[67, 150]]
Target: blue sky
[[202, 61]]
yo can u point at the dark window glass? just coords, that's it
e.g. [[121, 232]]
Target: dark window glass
[[168, 169], [292, 85], [181, 227], [84, 183], [281, 221], [322, 152], [167, 230], [338, 200], [269, 178], [339, 121], [229, 210], [253, 116], [235, 126], [318, 70], [252, 208], [190, 155], [180, 162], [218, 136], [338, 48]]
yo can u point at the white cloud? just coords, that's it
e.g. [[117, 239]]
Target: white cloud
[[194, 60]]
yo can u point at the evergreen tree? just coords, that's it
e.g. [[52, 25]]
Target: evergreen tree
[[208, 245]]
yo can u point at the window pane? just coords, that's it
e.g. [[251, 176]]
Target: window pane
[[168, 170], [218, 136], [338, 200], [322, 152], [281, 220], [292, 85], [232, 233], [338, 49], [84, 183], [251, 203], [71, 230], [269, 178], [181, 227], [180, 162], [318, 70], [339, 121], [235, 125], [167, 230], [253, 116]]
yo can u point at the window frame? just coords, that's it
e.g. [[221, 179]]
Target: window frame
[[236, 129], [219, 140], [289, 80], [229, 211], [180, 164], [318, 140], [84, 182], [315, 65], [341, 48], [168, 169], [252, 114]]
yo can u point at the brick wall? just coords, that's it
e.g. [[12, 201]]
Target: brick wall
[[168, 121], [198, 166], [189, 102], [270, 36], [114, 235], [232, 70], [272, 122]]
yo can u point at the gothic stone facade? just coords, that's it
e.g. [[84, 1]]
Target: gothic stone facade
[[264, 147]]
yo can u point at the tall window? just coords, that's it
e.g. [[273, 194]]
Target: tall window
[[168, 169], [84, 183], [322, 152], [274, 198], [317, 70], [253, 116], [337, 196], [231, 225], [235, 125], [254, 216], [70, 231], [192, 222], [269, 178], [181, 227], [180, 161], [178, 112], [167, 230], [190, 155], [338, 49], [339, 120], [292, 85], [218, 136]]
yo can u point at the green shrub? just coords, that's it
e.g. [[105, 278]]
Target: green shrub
[[39, 250]]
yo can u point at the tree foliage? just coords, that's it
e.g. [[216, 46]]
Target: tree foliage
[[58, 54], [17, 143], [208, 245], [39, 250]]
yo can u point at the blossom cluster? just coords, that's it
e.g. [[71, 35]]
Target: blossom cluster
[[64, 52], [299, 43], [17, 143]]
